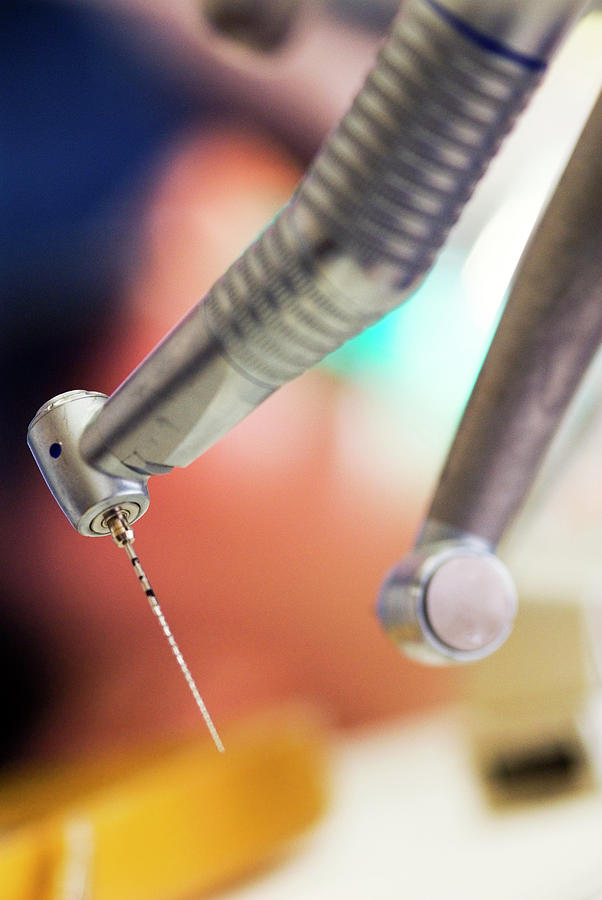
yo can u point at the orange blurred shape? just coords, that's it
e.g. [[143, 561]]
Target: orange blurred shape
[[163, 824]]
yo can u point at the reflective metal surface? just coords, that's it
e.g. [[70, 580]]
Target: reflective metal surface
[[83, 492], [449, 601], [549, 332], [361, 231]]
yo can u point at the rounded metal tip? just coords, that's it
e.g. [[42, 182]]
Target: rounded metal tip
[[469, 602], [449, 601]]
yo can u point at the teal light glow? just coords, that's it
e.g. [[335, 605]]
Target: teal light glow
[[428, 352]]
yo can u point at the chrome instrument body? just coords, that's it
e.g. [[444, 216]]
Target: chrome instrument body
[[550, 330], [356, 239]]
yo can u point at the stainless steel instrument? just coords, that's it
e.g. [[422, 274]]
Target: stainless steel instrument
[[356, 239]]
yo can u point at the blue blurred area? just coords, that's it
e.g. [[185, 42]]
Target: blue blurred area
[[87, 107], [85, 111]]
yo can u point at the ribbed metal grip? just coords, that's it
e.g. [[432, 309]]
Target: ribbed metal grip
[[361, 231], [272, 314], [377, 203], [394, 176]]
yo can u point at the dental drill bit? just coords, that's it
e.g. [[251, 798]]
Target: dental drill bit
[[123, 536]]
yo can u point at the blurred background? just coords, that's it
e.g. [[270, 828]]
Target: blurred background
[[145, 144]]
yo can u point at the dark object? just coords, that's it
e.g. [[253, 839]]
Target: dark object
[[264, 25], [542, 770], [27, 683]]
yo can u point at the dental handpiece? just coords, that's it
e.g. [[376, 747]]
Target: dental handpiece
[[358, 236], [452, 597]]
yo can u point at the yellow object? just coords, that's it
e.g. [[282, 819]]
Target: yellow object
[[169, 825]]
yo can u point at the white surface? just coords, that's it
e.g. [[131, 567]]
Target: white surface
[[471, 602], [408, 821]]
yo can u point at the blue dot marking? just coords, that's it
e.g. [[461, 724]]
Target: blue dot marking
[[55, 450]]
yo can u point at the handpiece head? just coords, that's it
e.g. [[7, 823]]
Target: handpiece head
[[86, 494], [449, 601]]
